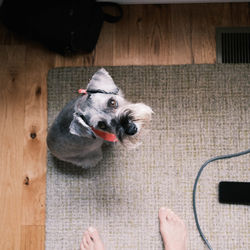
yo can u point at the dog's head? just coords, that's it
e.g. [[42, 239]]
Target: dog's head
[[102, 111]]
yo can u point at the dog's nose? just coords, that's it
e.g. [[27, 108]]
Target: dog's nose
[[131, 129], [102, 125]]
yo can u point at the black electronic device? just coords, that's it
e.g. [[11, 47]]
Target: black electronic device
[[234, 192]]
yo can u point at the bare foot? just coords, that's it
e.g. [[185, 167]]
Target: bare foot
[[173, 230], [91, 240]]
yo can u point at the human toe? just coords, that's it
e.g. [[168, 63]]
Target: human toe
[[162, 213]]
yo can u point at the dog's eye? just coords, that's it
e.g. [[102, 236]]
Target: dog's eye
[[112, 103], [102, 125]]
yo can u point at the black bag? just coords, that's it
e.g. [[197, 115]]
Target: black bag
[[64, 26]]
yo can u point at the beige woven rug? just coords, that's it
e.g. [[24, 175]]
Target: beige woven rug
[[201, 111]]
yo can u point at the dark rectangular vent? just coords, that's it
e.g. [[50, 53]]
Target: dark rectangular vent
[[233, 45]]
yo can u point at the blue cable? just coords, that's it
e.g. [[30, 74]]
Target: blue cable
[[195, 186]]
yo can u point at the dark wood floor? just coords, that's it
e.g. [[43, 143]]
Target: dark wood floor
[[147, 35]]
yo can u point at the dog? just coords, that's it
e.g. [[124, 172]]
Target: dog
[[99, 115]]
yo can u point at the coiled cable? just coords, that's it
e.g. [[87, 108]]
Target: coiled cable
[[195, 187]]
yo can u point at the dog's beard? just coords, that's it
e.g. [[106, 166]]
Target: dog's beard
[[138, 115]]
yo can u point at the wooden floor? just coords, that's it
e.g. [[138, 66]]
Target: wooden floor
[[169, 34]]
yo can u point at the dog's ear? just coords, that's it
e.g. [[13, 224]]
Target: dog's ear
[[80, 128], [101, 80]]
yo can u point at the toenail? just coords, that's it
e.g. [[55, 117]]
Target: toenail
[[91, 229]]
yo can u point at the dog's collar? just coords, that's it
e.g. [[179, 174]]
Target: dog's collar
[[105, 135], [84, 91]]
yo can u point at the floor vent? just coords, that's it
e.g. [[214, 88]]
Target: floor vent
[[233, 45]]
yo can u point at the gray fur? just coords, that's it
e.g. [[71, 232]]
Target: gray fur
[[71, 137]]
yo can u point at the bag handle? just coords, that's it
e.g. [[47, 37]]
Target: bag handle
[[110, 18]]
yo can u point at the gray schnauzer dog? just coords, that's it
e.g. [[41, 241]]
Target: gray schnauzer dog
[[99, 115]]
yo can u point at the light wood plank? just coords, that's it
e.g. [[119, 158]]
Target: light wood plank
[[38, 62], [32, 237], [12, 86]]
